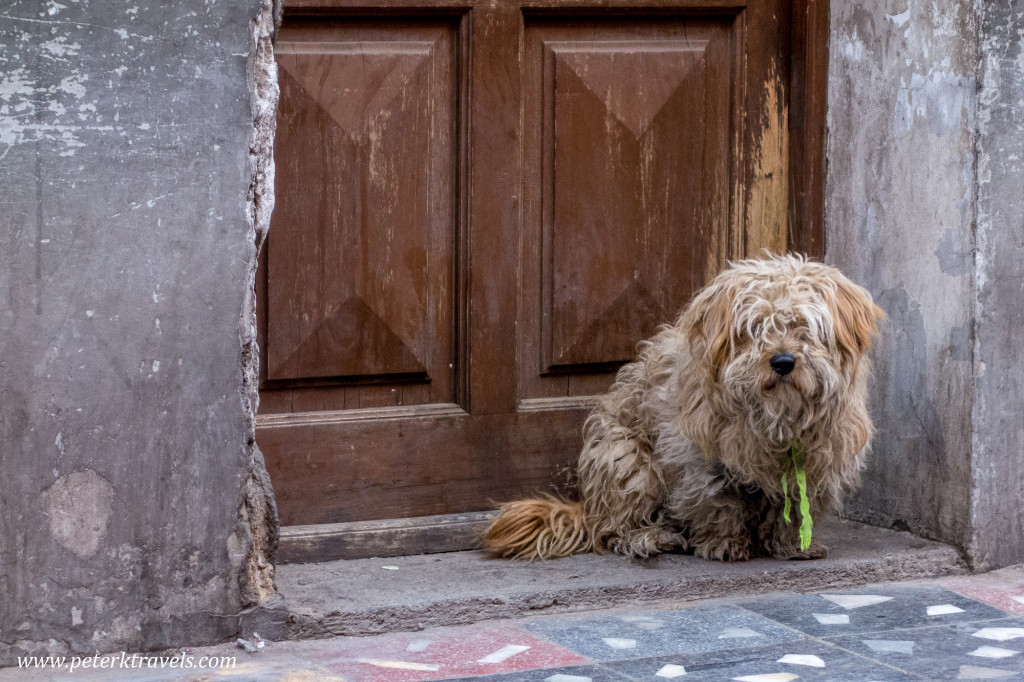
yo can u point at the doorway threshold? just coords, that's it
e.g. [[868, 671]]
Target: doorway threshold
[[408, 593]]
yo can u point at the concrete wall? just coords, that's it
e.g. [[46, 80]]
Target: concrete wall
[[132, 502], [997, 502], [899, 216], [922, 206]]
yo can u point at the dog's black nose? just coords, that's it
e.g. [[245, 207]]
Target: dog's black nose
[[782, 363]]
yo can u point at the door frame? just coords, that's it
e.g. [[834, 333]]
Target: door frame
[[808, 90]]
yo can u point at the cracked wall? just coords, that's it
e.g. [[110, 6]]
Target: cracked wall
[[997, 511], [258, 521], [137, 176], [899, 210], [922, 199]]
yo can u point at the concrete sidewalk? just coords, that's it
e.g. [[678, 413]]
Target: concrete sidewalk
[[557, 620], [954, 628], [374, 596]]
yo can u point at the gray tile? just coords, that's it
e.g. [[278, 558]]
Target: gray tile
[[840, 665], [907, 608], [595, 673], [939, 651], [659, 633]]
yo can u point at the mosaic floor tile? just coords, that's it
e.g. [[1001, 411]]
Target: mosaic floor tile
[[819, 616], [802, 659], [855, 601], [943, 609], [938, 652], [890, 646], [708, 628], [973, 672], [670, 671], [1002, 590], [1000, 634], [584, 673], [442, 654], [839, 665], [832, 618], [993, 652]]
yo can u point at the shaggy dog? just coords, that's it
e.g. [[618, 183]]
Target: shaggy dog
[[689, 448]]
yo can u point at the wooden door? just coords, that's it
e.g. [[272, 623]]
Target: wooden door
[[482, 206]]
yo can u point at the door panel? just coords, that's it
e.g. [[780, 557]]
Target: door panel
[[481, 208], [360, 269], [627, 199], [409, 462]]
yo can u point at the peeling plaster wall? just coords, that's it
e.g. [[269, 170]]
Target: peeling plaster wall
[[923, 206], [997, 511], [899, 215], [133, 503]]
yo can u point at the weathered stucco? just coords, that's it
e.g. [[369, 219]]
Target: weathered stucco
[[997, 502], [923, 207], [259, 511], [134, 504], [899, 216]]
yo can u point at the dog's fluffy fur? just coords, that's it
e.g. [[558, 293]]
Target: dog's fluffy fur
[[687, 450]]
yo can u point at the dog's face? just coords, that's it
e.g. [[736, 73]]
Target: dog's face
[[781, 337]]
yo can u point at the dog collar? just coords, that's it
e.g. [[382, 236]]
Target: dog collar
[[797, 461]]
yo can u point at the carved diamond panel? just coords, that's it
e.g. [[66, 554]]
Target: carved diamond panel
[[635, 156], [360, 253]]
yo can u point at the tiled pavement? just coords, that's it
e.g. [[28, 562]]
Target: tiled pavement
[[784, 637], [964, 628]]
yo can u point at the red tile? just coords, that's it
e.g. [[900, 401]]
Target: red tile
[[455, 652], [990, 590]]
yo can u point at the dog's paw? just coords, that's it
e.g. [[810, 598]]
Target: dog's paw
[[815, 551], [647, 542], [724, 549]]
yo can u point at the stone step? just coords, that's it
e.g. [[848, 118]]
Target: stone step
[[371, 596]]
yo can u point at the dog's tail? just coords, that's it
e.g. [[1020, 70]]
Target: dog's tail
[[539, 528]]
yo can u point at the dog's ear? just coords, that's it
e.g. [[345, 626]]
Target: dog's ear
[[856, 318], [708, 324]]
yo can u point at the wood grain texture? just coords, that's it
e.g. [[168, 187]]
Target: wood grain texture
[[808, 97], [360, 266], [484, 206], [329, 7], [762, 184], [388, 468], [626, 178], [494, 208], [388, 538]]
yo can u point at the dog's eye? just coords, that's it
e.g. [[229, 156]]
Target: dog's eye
[[755, 329]]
